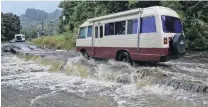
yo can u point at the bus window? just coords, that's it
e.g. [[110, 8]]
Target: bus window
[[148, 25], [109, 29], [132, 26], [171, 24], [101, 31], [96, 32], [89, 34], [82, 33], [120, 27]]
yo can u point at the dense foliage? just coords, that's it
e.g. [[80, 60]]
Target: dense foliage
[[194, 16], [10, 25]]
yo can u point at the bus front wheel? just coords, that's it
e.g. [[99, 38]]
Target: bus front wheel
[[85, 54], [125, 57]]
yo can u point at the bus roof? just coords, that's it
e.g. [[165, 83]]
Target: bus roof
[[128, 12]]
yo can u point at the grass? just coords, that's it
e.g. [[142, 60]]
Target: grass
[[62, 41], [57, 65], [4, 42]]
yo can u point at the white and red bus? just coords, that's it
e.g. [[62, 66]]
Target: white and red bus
[[144, 34]]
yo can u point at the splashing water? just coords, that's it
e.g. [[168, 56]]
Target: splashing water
[[129, 86]]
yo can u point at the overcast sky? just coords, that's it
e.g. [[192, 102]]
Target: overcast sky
[[19, 7]]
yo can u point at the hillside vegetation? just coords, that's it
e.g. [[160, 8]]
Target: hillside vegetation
[[62, 41], [31, 22], [194, 16]]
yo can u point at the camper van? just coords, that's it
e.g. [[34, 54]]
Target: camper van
[[145, 34]]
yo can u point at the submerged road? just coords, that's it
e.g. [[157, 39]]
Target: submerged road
[[177, 83]]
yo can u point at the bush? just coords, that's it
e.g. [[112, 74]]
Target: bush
[[63, 41], [197, 36]]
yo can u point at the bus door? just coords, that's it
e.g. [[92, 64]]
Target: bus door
[[101, 40], [148, 32], [97, 43]]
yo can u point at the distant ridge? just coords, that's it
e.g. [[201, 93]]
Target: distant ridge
[[31, 21]]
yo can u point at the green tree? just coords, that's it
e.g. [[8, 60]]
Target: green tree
[[142, 4], [68, 9], [195, 25], [10, 25]]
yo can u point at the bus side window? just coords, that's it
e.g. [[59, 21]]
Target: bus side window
[[148, 25], [82, 33], [132, 26], [89, 34], [109, 29], [101, 31], [120, 27], [96, 32]]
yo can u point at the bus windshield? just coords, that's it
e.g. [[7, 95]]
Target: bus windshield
[[171, 24]]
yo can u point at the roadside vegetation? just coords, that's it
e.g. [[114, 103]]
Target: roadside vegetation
[[64, 41], [4, 42], [57, 65]]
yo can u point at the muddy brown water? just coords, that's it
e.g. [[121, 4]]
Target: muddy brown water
[[177, 83]]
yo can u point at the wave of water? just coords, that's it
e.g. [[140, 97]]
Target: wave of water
[[129, 86]]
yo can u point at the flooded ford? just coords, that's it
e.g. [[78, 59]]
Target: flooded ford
[[107, 83], [67, 53]]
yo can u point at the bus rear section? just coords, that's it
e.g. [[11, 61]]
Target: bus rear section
[[151, 34], [173, 37]]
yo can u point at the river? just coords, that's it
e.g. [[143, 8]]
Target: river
[[106, 83]]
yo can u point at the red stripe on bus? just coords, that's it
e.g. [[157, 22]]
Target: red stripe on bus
[[142, 54]]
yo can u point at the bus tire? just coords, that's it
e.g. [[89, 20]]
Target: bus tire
[[125, 57], [85, 54]]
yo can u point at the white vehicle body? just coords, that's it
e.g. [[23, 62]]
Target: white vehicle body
[[140, 32], [19, 38]]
